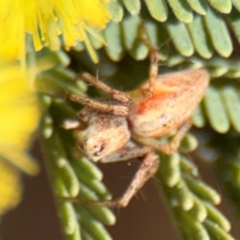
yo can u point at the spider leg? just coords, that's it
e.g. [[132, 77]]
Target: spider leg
[[129, 151], [117, 95], [154, 60], [114, 109], [166, 148], [153, 74], [147, 169]]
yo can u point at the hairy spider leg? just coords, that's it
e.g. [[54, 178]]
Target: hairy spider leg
[[147, 169], [166, 148], [117, 95], [114, 109]]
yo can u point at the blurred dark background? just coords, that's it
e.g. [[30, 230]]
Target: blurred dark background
[[145, 218]]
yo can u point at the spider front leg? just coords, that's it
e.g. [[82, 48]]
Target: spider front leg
[[115, 109], [117, 95], [147, 169]]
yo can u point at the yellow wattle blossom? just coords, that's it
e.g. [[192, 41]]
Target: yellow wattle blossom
[[52, 23], [18, 119], [46, 20]]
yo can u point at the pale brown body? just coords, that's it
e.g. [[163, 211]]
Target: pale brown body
[[126, 128], [173, 101]]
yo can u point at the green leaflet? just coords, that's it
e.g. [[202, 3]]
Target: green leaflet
[[234, 21], [231, 100], [236, 4], [218, 32], [116, 11], [115, 48], [191, 200], [198, 211], [203, 34], [199, 119], [182, 10], [216, 232], [157, 9], [198, 6], [170, 169], [131, 29], [223, 6], [200, 38], [189, 143], [215, 111], [74, 178], [216, 216], [132, 6], [183, 44], [46, 59], [66, 183]]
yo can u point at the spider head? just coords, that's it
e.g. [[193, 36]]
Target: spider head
[[104, 134]]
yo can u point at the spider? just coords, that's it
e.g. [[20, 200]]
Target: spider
[[127, 126]]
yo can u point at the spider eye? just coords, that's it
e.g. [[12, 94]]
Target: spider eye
[[99, 151]]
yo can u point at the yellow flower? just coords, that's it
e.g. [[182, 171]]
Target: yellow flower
[[46, 20], [18, 119]]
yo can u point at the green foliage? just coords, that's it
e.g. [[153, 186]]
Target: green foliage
[[203, 33], [76, 181], [188, 34], [191, 200]]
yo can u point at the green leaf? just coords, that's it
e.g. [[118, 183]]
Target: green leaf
[[215, 111], [75, 179], [133, 6], [216, 231], [234, 21], [199, 119], [184, 43], [93, 226], [158, 37], [198, 6], [189, 143], [170, 169], [157, 9], [218, 32], [215, 216], [181, 196], [69, 177], [116, 11], [223, 6], [114, 48], [231, 100], [194, 230], [182, 10], [203, 191], [131, 28], [200, 38], [236, 3], [198, 212]]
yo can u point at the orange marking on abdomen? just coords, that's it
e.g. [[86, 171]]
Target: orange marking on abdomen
[[153, 102]]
